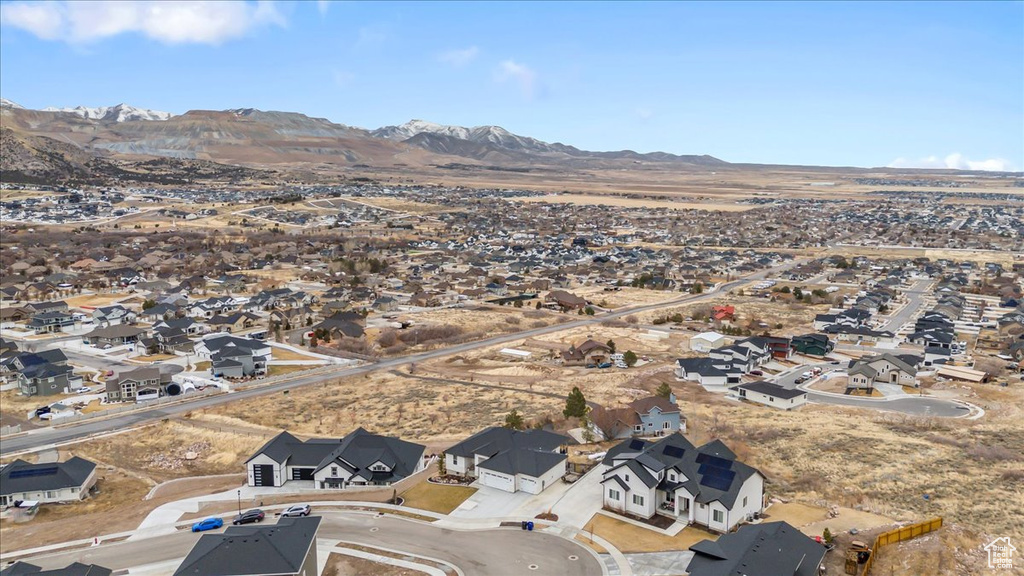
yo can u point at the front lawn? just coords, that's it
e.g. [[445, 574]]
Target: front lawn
[[436, 497]]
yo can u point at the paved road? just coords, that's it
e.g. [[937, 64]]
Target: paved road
[[915, 297], [912, 405], [48, 436], [477, 552]]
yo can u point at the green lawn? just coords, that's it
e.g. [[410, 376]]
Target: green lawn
[[436, 497]]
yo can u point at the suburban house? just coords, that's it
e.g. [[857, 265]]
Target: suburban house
[[233, 356], [139, 384], [813, 345], [342, 325], [358, 459], [885, 368], [113, 316], [589, 352], [46, 483], [233, 322], [710, 373], [211, 306], [51, 321], [705, 486], [565, 300], [43, 373], [768, 549], [21, 568], [114, 335], [706, 341], [287, 548], [510, 460], [771, 394], [651, 416]]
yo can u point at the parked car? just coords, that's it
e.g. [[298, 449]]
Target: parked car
[[249, 516], [591, 366], [604, 365], [83, 390], [207, 524], [756, 373], [43, 410], [297, 510]]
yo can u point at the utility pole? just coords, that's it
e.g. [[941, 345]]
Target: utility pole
[[239, 502]]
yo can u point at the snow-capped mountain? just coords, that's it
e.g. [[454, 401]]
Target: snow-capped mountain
[[119, 113], [5, 103], [492, 135]]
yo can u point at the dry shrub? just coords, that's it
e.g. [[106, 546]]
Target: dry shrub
[[614, 323], [538, 324], [513, 320], [430, 334], [765, 435], [990, 453], [535, 314], [945, 440], [1012, 476], [387, 338], [632, 319], [355, 346]]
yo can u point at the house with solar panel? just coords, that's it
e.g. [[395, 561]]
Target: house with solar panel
[[705, 486], [46, 483]]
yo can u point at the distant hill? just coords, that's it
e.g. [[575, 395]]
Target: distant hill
[[252, 137]]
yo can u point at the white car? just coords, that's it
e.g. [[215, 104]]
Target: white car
[[83, 390]]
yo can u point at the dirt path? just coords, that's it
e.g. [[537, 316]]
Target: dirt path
[[477, 384]]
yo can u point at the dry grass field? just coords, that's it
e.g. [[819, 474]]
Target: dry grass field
[[625, 202]]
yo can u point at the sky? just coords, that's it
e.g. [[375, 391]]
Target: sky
[[910, 84]]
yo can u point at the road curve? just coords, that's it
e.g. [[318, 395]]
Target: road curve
[[477, 552]]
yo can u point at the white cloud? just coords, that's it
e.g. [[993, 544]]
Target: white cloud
[[512, 71], [171, 22], [459, 57], [954, 161]]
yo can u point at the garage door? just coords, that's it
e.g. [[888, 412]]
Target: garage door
[[262, 475], [303, 473], [499, 481]]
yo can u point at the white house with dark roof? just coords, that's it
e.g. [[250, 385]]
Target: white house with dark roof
[[771, 394], [46, 483], [705, 486], [510, 460], [358, 459]]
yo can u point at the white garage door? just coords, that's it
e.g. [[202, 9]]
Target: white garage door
[[499, 481]]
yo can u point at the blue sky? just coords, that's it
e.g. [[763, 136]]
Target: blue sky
[[863, 84]]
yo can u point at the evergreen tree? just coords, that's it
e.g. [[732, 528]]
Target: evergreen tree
[[514, 420], [629, 358], [575, 404], [664, 390]]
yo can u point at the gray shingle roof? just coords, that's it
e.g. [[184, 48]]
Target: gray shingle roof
[[528, 452], [769, 549], [20, 476], [74, 569], [253, 550], [360, 449], [772, 389]]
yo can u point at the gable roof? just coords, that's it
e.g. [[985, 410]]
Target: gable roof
[[20, 476], [768, 549], [772, 389], [360, 449], [253, 550], [74, 569]]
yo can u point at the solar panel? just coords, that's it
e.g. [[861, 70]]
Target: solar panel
[[715, 461], [33, 472], [636, 444], [673, 451], [715, 472], [716, 483]]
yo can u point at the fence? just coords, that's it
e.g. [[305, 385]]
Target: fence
[[8, 430], [899, 535]]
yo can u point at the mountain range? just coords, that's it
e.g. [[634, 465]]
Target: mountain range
[[257, 138]]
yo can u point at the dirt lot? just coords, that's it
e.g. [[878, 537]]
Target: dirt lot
[[95, 299], [162, 452], [795, 318], [339, 564], [118, 506]]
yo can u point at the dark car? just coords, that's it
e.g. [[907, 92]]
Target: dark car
[[756, 373], [43, 410], [297, 510], [591, 366], [603, 365], [249, 516]]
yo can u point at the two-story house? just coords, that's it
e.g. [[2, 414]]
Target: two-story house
[[510, 460]]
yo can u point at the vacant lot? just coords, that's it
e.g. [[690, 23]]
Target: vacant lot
[[629, 538]]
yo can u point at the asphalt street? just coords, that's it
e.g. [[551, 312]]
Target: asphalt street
[[915, 296], [477, 552], [912, 405], [43, 437]]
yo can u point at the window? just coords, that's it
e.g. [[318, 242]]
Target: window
[[744, 501], [638, 428], [613, 494], [672, 476], [719, 516], [666, 425], [638, 500], [334, 470], [455, 460], [627, 477], [51, 494]]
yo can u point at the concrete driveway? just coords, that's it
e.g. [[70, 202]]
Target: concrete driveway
[[490, 502]]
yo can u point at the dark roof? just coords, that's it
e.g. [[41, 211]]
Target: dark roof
[[254, 549], [360, 449], [20, 476], [287, 448], [529, 452], [772, 389], [644, 405], [769, 549], [75, 569]]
